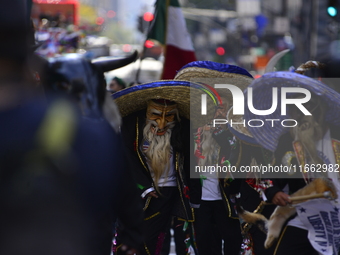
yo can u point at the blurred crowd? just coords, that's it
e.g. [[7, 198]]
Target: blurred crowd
[[96, 168]]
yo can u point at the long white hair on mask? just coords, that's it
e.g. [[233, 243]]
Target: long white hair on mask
[[159, 150], [209, 148], [309, 130]]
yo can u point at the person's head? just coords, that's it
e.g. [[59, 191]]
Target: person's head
[[315, 106], [161, 116], [116, 84], [222, 109], [310, 128]]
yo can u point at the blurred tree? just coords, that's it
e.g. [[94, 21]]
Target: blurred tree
[[118, 33]]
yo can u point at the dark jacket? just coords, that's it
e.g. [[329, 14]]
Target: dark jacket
[[132, 131], [67, 200], [242, 154]]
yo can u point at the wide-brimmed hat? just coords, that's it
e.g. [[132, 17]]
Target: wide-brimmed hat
[[268, 134], [187, 96], [211, 73]]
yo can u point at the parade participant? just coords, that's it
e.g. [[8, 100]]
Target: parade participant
[[213, 148], [65, 76], [251, 186], [156, 132], [60, 174], [116, 84], [311, 141]]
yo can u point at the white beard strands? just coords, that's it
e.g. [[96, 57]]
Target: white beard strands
[[159, 151], [209, 148]]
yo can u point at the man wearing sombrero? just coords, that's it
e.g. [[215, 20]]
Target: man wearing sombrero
[[156, 132], [310, 141], [213, 147], [251, 186]]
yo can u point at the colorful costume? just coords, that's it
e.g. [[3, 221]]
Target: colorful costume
[[311, 142], [216, 219], [164, 182]]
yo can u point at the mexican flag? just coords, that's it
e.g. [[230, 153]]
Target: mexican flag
[[169, 29]]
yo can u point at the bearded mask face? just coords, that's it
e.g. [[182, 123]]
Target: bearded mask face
[[310, 128], [161, 116], [222, 109]]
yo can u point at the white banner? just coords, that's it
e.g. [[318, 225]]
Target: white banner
[[321, 217]]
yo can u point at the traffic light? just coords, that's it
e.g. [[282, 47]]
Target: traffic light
[[220, 51], [148, 16], [333, 8], [144, 21]]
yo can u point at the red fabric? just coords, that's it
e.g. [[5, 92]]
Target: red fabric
[[175, 59]]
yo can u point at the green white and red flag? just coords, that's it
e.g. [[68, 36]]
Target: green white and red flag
[[169, 29]]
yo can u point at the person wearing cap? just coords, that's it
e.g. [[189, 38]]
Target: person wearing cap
[[214, 145], [251, 186], [310, 141], [116, 84], [157, 136]]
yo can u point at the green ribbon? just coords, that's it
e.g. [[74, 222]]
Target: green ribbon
[[226, 163], [202, 177], [185, 225], [140, 186]]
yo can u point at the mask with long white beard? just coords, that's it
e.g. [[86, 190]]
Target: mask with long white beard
[[309, 130], [157, 131]]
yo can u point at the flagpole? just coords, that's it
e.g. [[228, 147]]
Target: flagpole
[[139, 67], [150, 24], [165, 36]]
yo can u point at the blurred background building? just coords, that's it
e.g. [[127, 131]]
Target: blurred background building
[[242, 32]]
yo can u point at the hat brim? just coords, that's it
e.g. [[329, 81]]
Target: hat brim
[[239, 130], [212, 77], [268, 135], [187, 96]]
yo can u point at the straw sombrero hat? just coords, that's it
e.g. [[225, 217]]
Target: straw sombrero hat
[[211, 73], [187, 96], [268, 135]]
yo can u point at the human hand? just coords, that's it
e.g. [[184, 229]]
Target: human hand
[[281, 198], [128, 250], [152, 194]]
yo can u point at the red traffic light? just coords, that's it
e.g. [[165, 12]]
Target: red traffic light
[[148, 16], [220, 51], [149, 44], [100, 21]]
